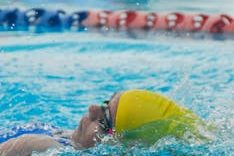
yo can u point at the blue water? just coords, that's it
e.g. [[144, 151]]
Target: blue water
[[53, 78], [49, 80]]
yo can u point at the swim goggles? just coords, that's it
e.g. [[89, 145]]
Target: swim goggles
[[106, 122]]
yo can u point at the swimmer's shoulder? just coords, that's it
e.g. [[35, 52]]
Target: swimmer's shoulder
[[26, 144]]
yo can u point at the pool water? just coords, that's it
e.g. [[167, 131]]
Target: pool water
[[49, 80], [53, 78]]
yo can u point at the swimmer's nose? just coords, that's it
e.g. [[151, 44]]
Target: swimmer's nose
[[94, 112]]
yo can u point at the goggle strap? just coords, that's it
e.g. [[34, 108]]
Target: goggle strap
[[107, 118]]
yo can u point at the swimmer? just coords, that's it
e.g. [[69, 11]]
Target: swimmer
[[133, 115]]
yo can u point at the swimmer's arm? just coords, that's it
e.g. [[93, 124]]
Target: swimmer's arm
[[26, 144], [63, 134]]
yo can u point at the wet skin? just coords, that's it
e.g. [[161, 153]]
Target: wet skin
[[84, 136]]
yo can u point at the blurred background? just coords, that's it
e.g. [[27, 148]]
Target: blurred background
[[207, 6]]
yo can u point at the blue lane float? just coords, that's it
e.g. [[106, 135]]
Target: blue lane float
[[39, 20]]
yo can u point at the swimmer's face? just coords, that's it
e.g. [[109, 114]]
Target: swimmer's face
[[86, 135]]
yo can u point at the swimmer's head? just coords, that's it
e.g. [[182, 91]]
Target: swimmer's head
[[127, 110], [138, 107]]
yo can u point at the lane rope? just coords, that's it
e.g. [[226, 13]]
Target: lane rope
[[40, 20]]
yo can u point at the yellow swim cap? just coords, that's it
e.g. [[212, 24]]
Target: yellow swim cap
[[138, 107]]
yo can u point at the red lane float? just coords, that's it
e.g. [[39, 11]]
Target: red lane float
[[160, 21]]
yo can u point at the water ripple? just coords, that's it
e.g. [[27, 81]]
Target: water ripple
[[54, 83]]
